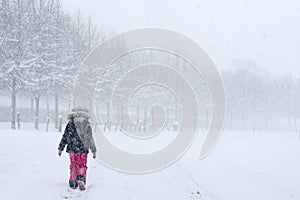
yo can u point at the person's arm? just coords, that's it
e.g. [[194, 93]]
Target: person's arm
[[63, 141], [91, 141]]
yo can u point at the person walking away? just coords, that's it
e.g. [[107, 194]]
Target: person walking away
[[79, 140]]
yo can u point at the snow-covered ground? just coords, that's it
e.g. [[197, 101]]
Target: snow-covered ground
[[244, 165]]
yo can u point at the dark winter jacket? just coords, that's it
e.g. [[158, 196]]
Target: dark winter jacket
[[78, 134]]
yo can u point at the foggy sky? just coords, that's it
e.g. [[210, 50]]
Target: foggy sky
[[266, 31]]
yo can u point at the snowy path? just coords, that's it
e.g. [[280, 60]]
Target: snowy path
[[239, 168], [172, 183], [31, 169]]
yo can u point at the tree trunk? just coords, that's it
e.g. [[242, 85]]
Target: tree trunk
[[206, 119], [13, 103], [70, 104], [108, 116], [254, 116], [47, 105], [31, 109], [231, 122], [137, 114], [243, 122], [145, 118], [37, 111], [56, 110]]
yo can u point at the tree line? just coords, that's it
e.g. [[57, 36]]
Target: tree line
[[41, 47], [258, 100]]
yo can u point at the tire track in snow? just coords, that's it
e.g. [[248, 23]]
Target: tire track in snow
[[205, 194]]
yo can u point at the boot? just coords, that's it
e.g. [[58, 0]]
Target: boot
[[81, 180], [73, 184]]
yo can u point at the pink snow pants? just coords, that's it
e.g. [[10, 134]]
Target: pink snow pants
[[77, 165]]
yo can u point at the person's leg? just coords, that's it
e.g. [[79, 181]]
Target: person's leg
[[73, 171], [81, 170]]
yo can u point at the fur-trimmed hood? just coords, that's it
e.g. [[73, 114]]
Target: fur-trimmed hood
[[78, 114]]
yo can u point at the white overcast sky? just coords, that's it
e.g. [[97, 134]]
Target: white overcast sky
[[267, 31]]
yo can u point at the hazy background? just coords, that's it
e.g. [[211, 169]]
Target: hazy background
[[266, 32], [254, 44]]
